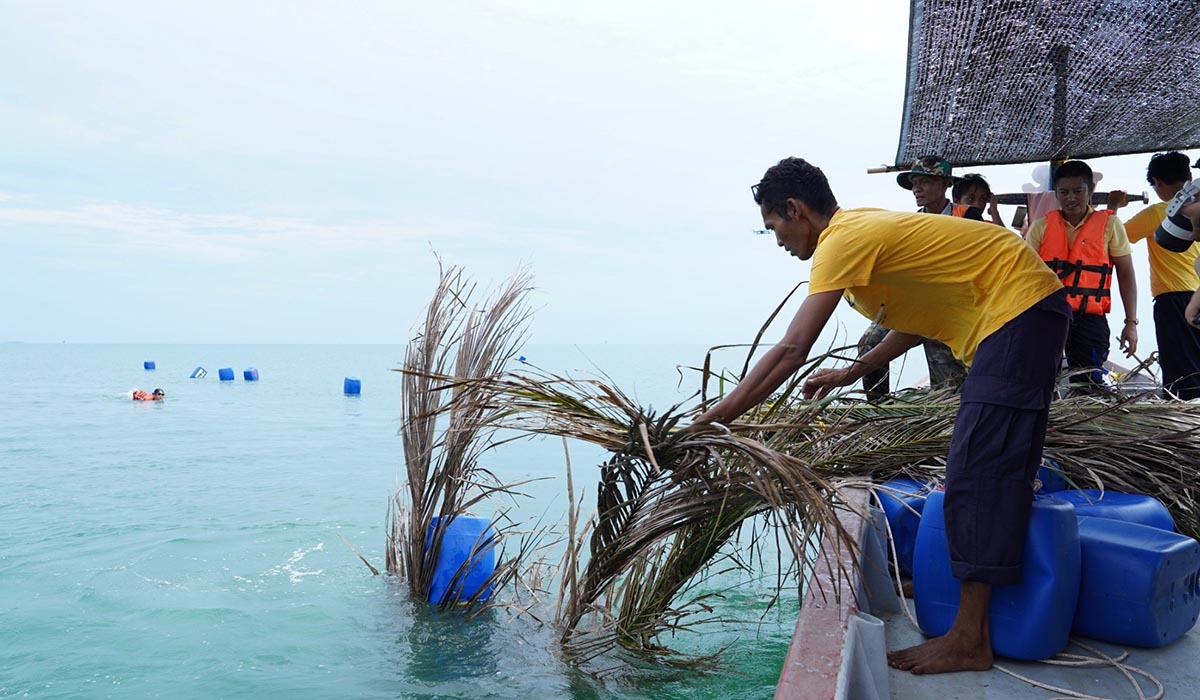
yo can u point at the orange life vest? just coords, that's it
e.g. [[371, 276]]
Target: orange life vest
[[959, 210], [1085, 269], [139, 395]]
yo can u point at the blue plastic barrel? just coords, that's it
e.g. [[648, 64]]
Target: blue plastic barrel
[[466, 559], [902, 501], [148, 364], [1130, 507], [251, 374], [1029, 620], [1139, 583], [198, 373], [352, 386], [226, 374], [1049, 475]]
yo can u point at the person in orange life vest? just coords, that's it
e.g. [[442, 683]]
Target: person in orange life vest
[[1173, 278], [928, 179], [139, 395], [972, 190], [1083, 247]]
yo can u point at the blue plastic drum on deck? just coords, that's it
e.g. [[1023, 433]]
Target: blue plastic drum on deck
[[148, 364], [1130, 507], [468, 554], [1029, 620], [226, 374], [352, 386], [902, 501], [1139, 583], [251, 374]]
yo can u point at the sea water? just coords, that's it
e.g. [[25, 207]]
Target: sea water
[[201, 547]]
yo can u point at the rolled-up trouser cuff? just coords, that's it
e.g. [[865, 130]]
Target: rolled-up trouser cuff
[[995, 575]]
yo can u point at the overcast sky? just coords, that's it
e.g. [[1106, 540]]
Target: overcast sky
[[283, 172]]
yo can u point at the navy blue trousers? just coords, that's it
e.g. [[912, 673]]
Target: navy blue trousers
[[997, 444], [1178, 345], [1087, 348]]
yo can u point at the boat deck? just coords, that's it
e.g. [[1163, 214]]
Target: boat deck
[[849, 622], [1176, 666]]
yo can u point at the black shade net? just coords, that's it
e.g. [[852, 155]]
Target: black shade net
[[1018, 81]]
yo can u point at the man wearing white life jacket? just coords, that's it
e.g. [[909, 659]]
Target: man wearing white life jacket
[[928, 180], [1084, 247]]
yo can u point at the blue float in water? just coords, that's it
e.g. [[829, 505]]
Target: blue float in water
[[352, 386], [226, 374], [1139, 583], [1130, 507], [148, 364], [1029, 620], [521, 358], [466, 559], [902, 501], [198, 373], [251, 374]]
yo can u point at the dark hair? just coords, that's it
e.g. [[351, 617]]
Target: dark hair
[[1074, 168], [159, 391], [967, 183], [1170, 168], [794, 178]]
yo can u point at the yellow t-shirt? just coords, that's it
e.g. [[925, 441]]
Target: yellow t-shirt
[[1115, 238], [1169, 272], [940, 277]]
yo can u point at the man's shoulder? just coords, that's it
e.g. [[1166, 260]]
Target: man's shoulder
[[1142, 224], [1158, 210], [858, 219], [853, 226]]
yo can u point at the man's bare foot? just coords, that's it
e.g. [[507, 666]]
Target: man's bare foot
[[944, 655]]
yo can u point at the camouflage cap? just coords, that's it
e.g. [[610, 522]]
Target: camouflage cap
[[933, 166]]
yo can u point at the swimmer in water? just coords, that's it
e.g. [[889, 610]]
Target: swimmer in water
[[139, 395]]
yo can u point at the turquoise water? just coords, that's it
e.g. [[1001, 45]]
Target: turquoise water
[[194, 547]]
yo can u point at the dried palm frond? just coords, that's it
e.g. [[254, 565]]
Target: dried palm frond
[[668, 503], [1133, 443], [444, 432]]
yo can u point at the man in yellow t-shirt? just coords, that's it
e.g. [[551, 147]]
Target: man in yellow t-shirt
[[928, 179], [971, 285], [1172, 280], [1083, 246]]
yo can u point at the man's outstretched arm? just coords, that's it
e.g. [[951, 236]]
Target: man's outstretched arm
[[781, 361]]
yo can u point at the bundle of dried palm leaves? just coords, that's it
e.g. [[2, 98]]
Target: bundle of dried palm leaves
[[444, 430], [669, 502], [669, 499]]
